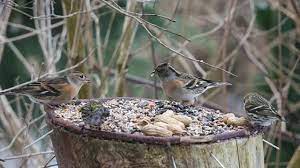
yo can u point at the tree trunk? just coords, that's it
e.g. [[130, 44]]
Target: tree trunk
[[78, 146]]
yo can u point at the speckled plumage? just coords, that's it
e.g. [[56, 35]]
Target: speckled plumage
[[260, 112]]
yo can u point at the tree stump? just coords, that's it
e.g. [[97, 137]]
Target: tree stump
[[76, 145]]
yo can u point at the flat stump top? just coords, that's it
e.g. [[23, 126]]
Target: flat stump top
[[125, 119]]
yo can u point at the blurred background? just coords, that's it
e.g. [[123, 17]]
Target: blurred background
[[253, 44]]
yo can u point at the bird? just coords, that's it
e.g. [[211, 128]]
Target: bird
[[260, 112], [182, 87], [51, 91]]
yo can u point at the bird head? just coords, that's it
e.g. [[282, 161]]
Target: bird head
[[254, 99], [78, 78], [165, 71]]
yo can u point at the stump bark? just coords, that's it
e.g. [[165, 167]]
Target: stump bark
[[81, 147]]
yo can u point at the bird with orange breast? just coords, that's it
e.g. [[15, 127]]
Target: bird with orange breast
[[51, 91], [183, 87]]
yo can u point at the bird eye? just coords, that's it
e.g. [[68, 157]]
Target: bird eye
[[81, 76]]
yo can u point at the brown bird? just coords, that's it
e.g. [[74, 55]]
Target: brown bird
[[260, 112], [183, 87], [52, 91]]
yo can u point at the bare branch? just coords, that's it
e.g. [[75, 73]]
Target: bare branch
[[272, 145], [20, 132], [26, 155], [37, 140]]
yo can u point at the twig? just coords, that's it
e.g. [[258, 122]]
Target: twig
[[20, 26], [253, 58], [128, 33], [108, 31], [161, 16], [173, 162], [49, 161], [217, 160], [151, 24], [271, 29], [184, 56], [144, 24], [270, 137], [60, 44], [154, 61], [223, 45], [26, 155], [182, 47], [26, 35], [99, 52], [19, 11], [68, 15], [46, 74], [21, 58], [19, 133], [201, 35], [269, 143], [137, 80], [243, 39], [146, 14], [276, 93], [50, 58], [159, 34], [37, 140]]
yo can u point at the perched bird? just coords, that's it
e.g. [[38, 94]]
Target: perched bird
[[51, 91], [260, 112], [183, 87]]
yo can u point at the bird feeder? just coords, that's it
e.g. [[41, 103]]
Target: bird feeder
[[108, 133]]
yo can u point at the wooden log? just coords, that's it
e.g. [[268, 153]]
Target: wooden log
[[78, 146]]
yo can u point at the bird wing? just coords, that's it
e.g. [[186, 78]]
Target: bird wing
[[188, 80], [194, 83], [60, 85], [44, 89], [261, 106], [38, 89], [56, 80]]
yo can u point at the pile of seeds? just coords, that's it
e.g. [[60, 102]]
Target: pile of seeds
[[132, 115]]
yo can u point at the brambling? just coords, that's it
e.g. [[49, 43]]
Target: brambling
[[183, 87], [259, 111], [52, 91]]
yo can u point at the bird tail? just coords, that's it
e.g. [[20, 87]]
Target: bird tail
[[10, 91], [5, 93]]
